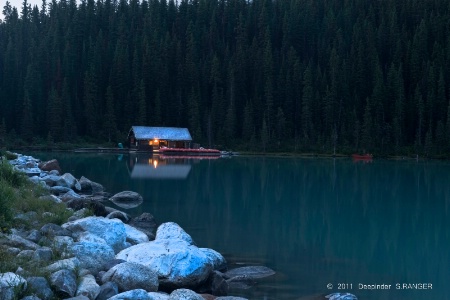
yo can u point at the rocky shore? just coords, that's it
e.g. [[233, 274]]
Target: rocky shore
[[104, 253]]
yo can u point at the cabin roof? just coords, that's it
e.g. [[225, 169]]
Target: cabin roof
[[161, 133]]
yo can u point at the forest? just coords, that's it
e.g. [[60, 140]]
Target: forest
[[306, 76]]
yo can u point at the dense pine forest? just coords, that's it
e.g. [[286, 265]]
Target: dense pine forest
[[262, 75]]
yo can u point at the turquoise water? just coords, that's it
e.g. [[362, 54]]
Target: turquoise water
[[314, 221]]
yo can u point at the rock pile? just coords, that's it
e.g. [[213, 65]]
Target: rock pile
[[111, 255]]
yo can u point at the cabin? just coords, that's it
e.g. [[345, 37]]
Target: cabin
[[143, 138]]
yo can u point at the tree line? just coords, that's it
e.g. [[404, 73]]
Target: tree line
[[272, 75]]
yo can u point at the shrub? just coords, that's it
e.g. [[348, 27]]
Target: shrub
[[10, 176]]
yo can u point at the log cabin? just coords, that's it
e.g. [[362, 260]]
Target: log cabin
[[144, 138]]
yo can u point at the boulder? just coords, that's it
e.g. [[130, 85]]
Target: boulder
[[25, 255], [51, 230], [70, 264], [95, 206], [112, 231], [11, 281], [145, 223], [69, 196], [131, 276], [51, 180], [88, 287], [59, 190], [91, 238], [230, 298], [170, 231], [32, 297], [248, 273], [107, 290], [64, 283], [132, 295], [92, 256], [184, 294], [135, 236], [176, 262], [158, 296], [17, 241], [34, 236], [218, 261], [127, 199], [40, 287], [218, 285], [90, 187], [43, 254], [117, 214], [71, 181], [50, 165], [50, 198]]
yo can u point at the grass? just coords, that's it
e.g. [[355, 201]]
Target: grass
[[18, 195]]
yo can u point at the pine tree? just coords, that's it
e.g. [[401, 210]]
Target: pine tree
[[109, 119], [55, 122]]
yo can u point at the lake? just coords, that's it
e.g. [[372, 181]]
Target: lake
[[316, 222]]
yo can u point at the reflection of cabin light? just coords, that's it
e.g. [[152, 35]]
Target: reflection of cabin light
[[155, 163], [149, 161]]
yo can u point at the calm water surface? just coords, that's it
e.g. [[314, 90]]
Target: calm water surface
[[314, 221]]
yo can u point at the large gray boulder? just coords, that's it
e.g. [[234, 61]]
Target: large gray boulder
[[131, 276], [40, 287], [92, 256], [184, 294], [88, 287], [70, 264], [127, 199], [111, 230], [107, 290], [64, 283], [17, 241], [9, 284], [51, 230], [71, 181], [90, 187], [177, 262], [132, 295], [145, 223]]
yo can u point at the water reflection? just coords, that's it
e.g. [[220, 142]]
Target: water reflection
[[145, 166], [156, 167]]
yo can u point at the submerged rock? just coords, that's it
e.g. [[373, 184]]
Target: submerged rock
[[127, 199]]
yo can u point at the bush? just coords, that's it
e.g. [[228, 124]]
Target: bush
[[12, 177], [7, 197]]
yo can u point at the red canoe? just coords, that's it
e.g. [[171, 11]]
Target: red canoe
[[362, 156]]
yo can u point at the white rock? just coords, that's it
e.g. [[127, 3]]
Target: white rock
[[88, 287], [135, 236], [171, 230], [111, 230]]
